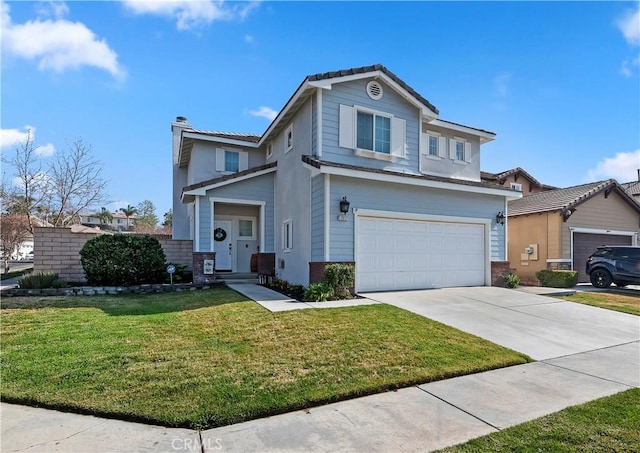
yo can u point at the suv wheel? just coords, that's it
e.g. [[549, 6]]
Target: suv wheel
[[600, 278]]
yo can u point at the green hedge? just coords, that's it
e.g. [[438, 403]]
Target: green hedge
[[558, 278], [123, 260]]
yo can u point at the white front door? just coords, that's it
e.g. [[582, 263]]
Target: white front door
[[222, 244]]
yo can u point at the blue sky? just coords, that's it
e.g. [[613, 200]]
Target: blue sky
[[557, 81]]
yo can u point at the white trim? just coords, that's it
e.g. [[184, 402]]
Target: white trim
[[196, 239], [269, 149], [559, 260], [213, 217], [357, 213], [261, 204], [202, 191], [467, 130], [209, 138], [506, 230], [284, 111], [284, 236], [327, 217], [254, 227], [632, 234], [416, 182], [319, 123]]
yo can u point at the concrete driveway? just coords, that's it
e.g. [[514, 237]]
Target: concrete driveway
[[539, 326]]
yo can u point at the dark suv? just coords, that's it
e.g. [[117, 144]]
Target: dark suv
[[614, 264]]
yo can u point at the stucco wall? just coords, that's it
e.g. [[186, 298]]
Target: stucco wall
[[57, 250], [534, 229]]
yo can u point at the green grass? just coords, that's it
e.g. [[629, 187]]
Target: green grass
[[611, 301], [610, 424], [210, 358]]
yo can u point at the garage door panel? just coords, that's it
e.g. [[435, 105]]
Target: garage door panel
[[410, 254]]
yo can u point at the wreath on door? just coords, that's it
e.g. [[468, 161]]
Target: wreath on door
[[219, 234]]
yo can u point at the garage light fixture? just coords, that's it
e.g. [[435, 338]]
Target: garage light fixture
[[344, 205], [500, 218]]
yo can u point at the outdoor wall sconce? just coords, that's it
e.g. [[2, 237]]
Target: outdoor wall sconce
[[344, 205], [500, 218]]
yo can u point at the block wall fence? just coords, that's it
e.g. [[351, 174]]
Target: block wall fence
[[57, 250]]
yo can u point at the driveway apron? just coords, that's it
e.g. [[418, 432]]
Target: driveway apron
[[539, 326]]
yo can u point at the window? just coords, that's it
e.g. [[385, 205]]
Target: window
[[287, 236], [516, 186], [459, 150], [288, 139], [433, 145], [231, 161], [269, 150], [245, 229], [374, 132]]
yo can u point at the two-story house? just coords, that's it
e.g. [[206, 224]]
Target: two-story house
[[357, 167]]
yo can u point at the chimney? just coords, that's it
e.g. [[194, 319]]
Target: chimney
[[638, 174], [182, 119]]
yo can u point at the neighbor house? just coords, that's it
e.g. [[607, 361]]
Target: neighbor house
[[559, 229], [118, 220], [516, 179], [356, 168]]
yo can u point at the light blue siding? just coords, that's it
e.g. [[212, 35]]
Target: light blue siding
[[317, 218], [260, 188], [412, 199], [354, 93]]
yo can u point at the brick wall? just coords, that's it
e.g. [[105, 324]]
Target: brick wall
[[316, 269], [497, 269], [57, 250]]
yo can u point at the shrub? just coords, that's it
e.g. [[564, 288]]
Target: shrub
[[340, 277], [318, 292], [557, 278], [284, 287], [511, 280], [41, 281], [123, 260]]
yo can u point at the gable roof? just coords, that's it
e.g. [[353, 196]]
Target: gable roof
[[632, 188], [500, 178], [566, 200]]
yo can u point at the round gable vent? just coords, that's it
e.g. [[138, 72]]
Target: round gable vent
[[374, 90]]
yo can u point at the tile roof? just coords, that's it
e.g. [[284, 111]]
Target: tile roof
[[317, 163], [209, 182], [633, 188], [566, 199], [372, 68], [254, 138], [500, 177]]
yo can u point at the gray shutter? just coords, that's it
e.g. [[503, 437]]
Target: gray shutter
[[243, 161], [442, 147], [219, 159], [398, 137], [347, 132]]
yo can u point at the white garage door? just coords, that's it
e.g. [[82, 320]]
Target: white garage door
[[395, 254]]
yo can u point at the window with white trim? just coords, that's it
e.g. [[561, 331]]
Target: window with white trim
[[433, 145], [516, 186], [228, 161], [246, 228], [288, 139], [371, 133], [269, 150], [287, 236], [459, 150]]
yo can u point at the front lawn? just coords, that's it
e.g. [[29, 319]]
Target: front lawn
[[612, 301], [610, 424], [209, 358]]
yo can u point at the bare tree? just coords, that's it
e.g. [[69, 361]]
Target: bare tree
[[74, 183], [14, 230], [29, 190]]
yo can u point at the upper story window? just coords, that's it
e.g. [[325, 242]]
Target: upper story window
[[459, 150], [229, 161], [269, 150], [372, 134], [516, 186], [433, 145], [288, 139]]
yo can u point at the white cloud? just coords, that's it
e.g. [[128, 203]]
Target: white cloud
[[57, 44], [627, 66], [52, 9], [13, 137], [248, 39], [629, 25], [264, 112], [622, 167], [191, 14]]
